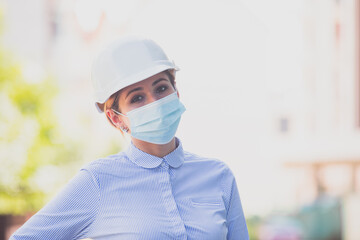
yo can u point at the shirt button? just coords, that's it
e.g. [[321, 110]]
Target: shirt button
[[163, 164]]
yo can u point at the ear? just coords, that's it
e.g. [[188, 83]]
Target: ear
[[114, 118]]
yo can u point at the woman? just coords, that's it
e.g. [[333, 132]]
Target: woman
[[154, 189]]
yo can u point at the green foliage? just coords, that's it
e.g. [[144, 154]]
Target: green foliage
[[20, 200], [28, 126], [253, 224], [32, 145]]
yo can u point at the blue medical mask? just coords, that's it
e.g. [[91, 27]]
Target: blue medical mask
[[158, 121]]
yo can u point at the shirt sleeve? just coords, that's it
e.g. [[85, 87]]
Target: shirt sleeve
[[68, 216], [237, 229]]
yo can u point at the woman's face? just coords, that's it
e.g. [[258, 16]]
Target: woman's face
[[142, 93], [145, 92]]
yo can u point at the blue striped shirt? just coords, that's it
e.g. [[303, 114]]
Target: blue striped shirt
[[135, 195]]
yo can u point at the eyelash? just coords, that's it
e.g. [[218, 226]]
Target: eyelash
[[159, 90], [164, 87], [136, 99]]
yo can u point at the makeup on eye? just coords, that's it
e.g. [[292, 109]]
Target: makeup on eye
[[163, 87], [159, 91], [141, 88], [159, 80], [133, 90], [136, 99]]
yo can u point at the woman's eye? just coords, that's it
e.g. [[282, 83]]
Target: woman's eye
[[136, 98], [161, 89]]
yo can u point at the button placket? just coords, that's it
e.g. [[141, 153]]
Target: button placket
[[170, 203]]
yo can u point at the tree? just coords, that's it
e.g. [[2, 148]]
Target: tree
[[30, 138]]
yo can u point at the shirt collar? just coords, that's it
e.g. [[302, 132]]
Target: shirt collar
[[175, 159]]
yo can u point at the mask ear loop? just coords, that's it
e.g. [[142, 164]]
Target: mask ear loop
[[119, 113], [124, 129]]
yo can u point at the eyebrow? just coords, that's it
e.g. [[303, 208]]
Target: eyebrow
[[141, 88], [133, 90], [159, 80]]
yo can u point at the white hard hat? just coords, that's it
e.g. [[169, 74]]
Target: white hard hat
[[125, 62]]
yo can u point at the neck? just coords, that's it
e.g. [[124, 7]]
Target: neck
[[158, 150]]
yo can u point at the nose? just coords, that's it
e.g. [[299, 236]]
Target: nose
[[151, 98]]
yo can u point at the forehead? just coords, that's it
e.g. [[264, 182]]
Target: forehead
[[146, 82]]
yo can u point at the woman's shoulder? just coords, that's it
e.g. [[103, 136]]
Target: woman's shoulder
[[212, 168], [194, 159], [107, 164]]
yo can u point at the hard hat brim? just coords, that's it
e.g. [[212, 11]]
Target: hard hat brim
[[125, 82]]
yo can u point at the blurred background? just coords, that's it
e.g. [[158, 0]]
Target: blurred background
[[272, 88]]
